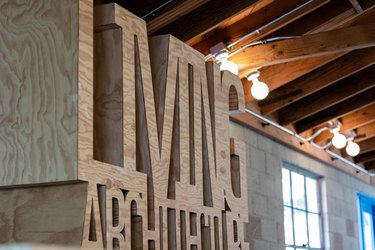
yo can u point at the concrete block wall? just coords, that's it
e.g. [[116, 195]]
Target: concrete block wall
[[266, 220]]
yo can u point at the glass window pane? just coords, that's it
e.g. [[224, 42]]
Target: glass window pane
[[312, 195], [298, 190], [289, 248], [300, 228], [286, 187], [367, 231], [288, 226], [314, 230]]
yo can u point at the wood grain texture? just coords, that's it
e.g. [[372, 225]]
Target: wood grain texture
[[45, 215], [341, 109], [204, 18], [318, 79], [329, 42], [174, 13], [368, 130], [38, 97], [367, 145], [108, 102], [340, 15], [253, 21], [171, 109], [329, 96], [355, 120]]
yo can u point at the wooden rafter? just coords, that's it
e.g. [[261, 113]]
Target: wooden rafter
[[370, 165], [277, 75], [365, 157], [359, 117], [339, 15], [204, 18], [336, 111], [355, 120], [330, 42], [333, 94], [367, 145], [367, 131], [184, 7], [256, 20], [318, 79]]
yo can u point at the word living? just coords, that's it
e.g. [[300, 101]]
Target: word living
[[164, 173]]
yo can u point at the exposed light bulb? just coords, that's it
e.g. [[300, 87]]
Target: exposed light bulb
[[352, 148], [338, 140], [228, 65], [259, 90]]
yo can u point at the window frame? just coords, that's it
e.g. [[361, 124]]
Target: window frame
[[306, 174], [364, 202]]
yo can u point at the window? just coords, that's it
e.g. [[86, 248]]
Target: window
[[366, 214], [301, 209]]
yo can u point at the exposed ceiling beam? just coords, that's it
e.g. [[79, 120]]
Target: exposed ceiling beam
[[204, 18], [340, 109], [334, 41], [172, 14], [323, 19], [272, 17], [367, 145], [370, 165], [280, 74], [329, 96], [318, 79], [355, 120], [366, 132], [277, 75], [365, 157], [359, 117], [341, 15]]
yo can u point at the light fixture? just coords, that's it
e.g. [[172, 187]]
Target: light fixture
[[259, 90], [225, 64], [338, 140], [352, 148]]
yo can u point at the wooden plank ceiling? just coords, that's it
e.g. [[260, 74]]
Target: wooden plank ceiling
[[324, 71]]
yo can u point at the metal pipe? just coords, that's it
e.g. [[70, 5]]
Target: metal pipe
[[258, 31], [264, 41], [152, 12], [310, 139], [352, 164]]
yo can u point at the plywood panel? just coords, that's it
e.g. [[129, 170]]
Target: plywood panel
[[175, 186], [38, 97], [47, 214]]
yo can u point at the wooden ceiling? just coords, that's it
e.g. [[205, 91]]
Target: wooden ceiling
[[325, 71]]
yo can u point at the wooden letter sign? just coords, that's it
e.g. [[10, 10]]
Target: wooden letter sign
[[153, 150]]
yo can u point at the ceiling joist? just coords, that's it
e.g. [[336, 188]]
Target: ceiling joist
[[261, 23], [365, 157], [355, 120], [333, 94], [204, 18], [182, 8], [318, 79], [336, 111], [334, 41], [367, 145]]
